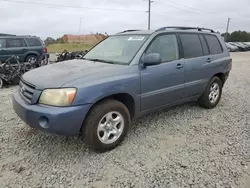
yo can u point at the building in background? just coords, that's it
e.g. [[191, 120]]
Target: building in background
[[90, 39]]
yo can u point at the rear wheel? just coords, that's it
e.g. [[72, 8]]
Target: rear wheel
[[106, 125], [31, 59], [212, 94]]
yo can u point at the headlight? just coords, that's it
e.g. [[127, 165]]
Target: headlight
[[58, 97]]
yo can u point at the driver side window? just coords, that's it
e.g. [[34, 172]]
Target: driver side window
[[166, 46]]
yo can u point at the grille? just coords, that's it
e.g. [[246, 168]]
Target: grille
[[26, 91]]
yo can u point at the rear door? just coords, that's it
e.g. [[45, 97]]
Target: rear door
[[220, 58], [15, 46], [162, 84], [197, 56]]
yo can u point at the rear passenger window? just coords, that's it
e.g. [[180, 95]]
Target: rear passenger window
[[204, 45], [33, 42], [14, 43], [191, 45], [166, 46], [214, 44]]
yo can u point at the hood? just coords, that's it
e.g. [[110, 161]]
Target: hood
[[58, 74]]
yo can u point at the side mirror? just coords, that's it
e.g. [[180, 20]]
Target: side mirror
[[151, 59]]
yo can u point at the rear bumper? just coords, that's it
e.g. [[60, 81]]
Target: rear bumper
[[59, 120]]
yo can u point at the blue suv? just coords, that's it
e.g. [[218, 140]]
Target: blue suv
[[123, 77]]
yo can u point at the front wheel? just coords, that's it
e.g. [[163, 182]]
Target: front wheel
[[212, 94], [106, 125]]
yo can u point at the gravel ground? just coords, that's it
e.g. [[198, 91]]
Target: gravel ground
[[186, 146]]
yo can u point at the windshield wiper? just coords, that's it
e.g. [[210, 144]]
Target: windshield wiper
[[102, 61]]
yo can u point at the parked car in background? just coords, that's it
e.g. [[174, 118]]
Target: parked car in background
[[240, 47], [248, 43], [27, 48], [125, 76], [232, 48], [245, 46]]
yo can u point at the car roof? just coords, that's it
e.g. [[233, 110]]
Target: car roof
[[168, 29], [17, 36], [136, 32]]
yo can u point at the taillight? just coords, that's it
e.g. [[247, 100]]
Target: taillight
[[45, 50]]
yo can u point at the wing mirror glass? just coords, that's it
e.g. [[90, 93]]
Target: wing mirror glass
[[151, 59]]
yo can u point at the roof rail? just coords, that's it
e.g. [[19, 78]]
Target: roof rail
[[26, 36], [4, 34], [129, 31], [185, 28]]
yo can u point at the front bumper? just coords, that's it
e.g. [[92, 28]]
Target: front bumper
[[59, 120]]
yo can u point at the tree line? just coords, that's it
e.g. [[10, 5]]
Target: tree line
[[237, 36], [50, 40]]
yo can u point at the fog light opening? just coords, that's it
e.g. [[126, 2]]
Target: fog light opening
[[44, 122]]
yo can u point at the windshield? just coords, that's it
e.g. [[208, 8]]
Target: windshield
[[117, 49]]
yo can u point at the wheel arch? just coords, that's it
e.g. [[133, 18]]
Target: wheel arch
[[30, 54], [124, 98], [222, 77]]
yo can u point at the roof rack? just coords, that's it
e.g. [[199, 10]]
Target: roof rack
[[185, 28], [25, 35], [4, 34], [129, 31]]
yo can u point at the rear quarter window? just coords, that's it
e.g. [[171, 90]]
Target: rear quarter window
[[33, 42], [213, 44], [15, 43]]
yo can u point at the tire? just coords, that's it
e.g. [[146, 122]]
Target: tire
[[98, 124], [211, 96], [31, 58], [1, 83]]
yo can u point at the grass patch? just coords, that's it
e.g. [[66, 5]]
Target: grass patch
[[71, 47]]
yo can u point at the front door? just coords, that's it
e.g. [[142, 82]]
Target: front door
[[163, 84]]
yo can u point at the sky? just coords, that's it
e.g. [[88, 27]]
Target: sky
[[58, 17]]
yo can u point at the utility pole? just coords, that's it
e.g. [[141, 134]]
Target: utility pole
[[80, 25], [228, 22], [149, 13]]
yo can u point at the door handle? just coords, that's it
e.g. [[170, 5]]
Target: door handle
[[209, 60], [179, 66]]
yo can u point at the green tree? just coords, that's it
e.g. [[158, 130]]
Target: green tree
[[60, 40], [237, 36], [49, 41], [240, 36]]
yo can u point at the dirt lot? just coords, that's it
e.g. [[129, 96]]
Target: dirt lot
[[185, 146]]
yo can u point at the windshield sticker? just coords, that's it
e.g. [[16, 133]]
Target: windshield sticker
[[136, 38]]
